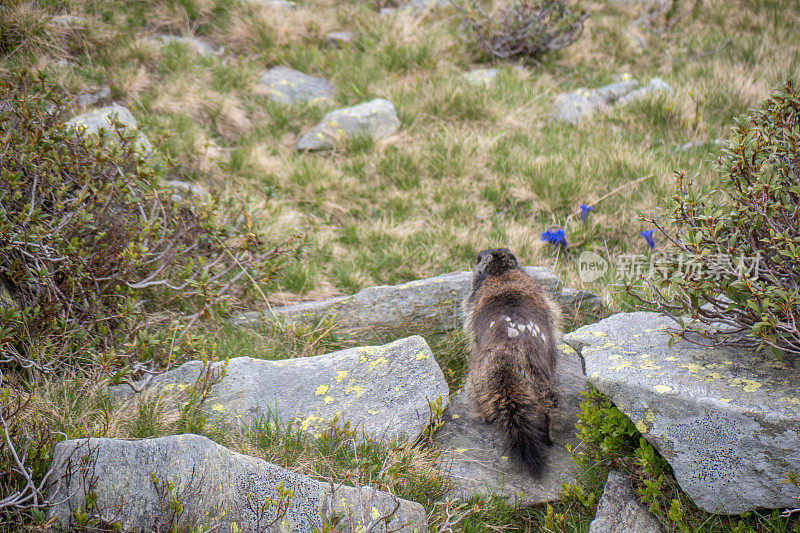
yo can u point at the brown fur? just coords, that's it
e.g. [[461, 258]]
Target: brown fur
[[514, 327]]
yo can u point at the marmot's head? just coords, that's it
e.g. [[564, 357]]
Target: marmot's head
[[492, 262]]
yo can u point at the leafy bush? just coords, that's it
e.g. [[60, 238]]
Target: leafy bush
[[742, 241], [522, 28], [94, 243]]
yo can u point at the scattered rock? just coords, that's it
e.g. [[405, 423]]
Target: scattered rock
[[726, 419], [698, 143], [94, 121], [184, 189], [199, 47], [89, 99], [482, 76], [382, 390], [573, 106], [68, 20], [278, 4], [582, 301], [654, 86], [376, 119], [435, 301], [215, 486], [474, 453], [290, 86], [424, 5], [339, 38], [620, 511]]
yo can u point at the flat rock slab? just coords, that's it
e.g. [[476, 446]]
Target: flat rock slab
[[655, 85], [218, 488], [573, 106], [289, 86], [433, 301], [475, 457], [620, 511], [726, 419], [382, 390], [375, 119], [93, 121], [339, 38]]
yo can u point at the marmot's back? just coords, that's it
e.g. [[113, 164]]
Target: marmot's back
[[514, 326]]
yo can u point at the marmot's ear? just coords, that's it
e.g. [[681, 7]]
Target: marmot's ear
[[484, 262]]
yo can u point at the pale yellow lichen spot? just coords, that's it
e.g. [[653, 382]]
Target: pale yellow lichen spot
[[422, 355], [322, 389], [637, 335], [713, 376], [608, 345], [649, 365], [623, 365], [320, 135], [182, 386], [787, 399], [615, 357], [749, 385], [726, 400], [692, 367], [456, 417], [504, 457], [328, 399], [663, 389], [460, 450], [397, 389], [283, 82], [641, 426], [645, 356], [650, 416], [671, 358], [595, 375], [566, 348], [169, 387], [358, 389], [218, 407], [727, 362], [305, 424], [375, 513], [332, 123], [340, 375], [372, 411], [371, 366]]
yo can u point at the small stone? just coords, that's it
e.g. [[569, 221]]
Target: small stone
[[184, 189], [582, 301], [199, 47], [290, 86], [654, 86], [216, 487], [375, 119], [482, 76], [68, 20], [572, 107], [619, 511], [93, 121], [89, 99], [339, 38], [360, 381]]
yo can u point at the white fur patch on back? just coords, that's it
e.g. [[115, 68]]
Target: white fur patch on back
[[512, 332]]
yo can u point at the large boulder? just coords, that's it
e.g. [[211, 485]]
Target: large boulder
[[433, 301], [726, 419], [99, 120], [214, 486], [383, 390], [290, 86], [474, 453], [375, 119], [619, 511]]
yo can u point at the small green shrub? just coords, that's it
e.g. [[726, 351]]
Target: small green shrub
[[742, 241], [521, 28]]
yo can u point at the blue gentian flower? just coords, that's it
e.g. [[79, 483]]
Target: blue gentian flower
[[556, 237], [648, 236], [585, 211]]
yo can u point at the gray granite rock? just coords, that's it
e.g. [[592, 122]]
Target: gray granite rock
[[726, 419], [574, 106], [88, 99], [93, 121], [339, 38], [68, 20], [375, 119], [199, 47], [474, 454], [434, 301], [583, 302], [619, 511], [382, 390], [290, 86], [184, 188], [483, 76], [217, 488], [655, 85], [278, 4]]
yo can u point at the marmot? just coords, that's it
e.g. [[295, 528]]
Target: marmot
[[513, 327]]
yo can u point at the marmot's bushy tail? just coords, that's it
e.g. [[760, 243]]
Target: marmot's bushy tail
[[520, 402]]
